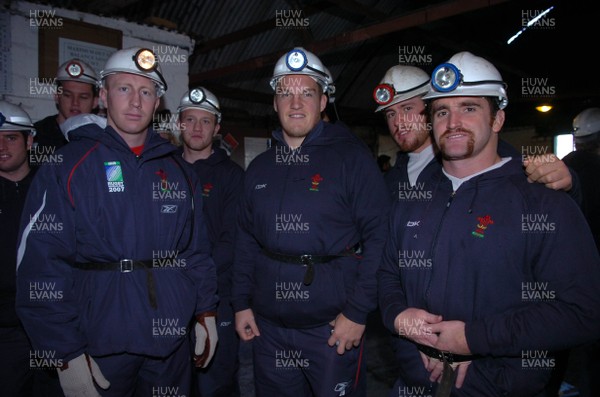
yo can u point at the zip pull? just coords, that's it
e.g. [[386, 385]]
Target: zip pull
[[451, 198]]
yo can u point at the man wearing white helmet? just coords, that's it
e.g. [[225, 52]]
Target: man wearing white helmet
[[199, 115], [16, 137], [400, 98], [77, 93], [113, 265], [495, 284], [585, 160], [310, 234]]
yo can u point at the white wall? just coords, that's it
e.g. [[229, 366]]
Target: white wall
[[174, 51]]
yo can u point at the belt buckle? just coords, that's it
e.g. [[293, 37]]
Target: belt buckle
[[126, 265], [306, 259], [447, 357]]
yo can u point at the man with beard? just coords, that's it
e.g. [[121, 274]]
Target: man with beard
[[311, 230], [221, 178], [399, 96], [481, 281]]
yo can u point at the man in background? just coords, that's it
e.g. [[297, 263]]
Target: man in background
[[199, 115]]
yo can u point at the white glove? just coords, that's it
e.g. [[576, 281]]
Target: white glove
[[206, 339], [77, 379]]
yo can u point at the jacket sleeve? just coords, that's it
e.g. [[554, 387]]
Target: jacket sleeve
[[566, 268], [203, 269], [246, 251], [223, 247], [45, 300], [392, 300], [370, 205]]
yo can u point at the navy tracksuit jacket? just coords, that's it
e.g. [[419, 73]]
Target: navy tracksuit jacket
[[222, 181], [320, 199], [515, 261], [103, 203]]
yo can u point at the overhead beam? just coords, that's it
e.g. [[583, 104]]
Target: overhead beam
[[360, 9], [417, 18], [253, 30]]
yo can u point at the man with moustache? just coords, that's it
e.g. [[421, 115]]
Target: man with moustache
[[199, 115], [113, 263], [310, 235], [400, 99], [496, 282]]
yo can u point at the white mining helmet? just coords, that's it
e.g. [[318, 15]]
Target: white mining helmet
[[467, 75], [13, 118], [400, 82], [586, 123], [200, 98], [77, 70], [301, 61], [136, 60]]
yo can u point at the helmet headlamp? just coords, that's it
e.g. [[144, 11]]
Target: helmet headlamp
[[198, 96], [383, 94], [76, 70], [145, 60], [446, 77], [296, 60]]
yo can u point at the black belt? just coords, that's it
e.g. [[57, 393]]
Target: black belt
[[444, 389], [448, 357], [126, 266], [309, 260]]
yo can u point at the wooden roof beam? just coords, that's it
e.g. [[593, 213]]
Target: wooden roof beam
[[417, 18]]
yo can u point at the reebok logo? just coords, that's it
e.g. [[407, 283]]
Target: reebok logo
[[412, 223], [168, 209]]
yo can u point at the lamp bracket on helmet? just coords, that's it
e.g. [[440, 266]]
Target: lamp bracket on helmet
[[145, 60], [76, 69], [198, 96], [296, 61], [385, 93], [446, 77]]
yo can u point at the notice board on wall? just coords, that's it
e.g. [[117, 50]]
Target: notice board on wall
[[93, 44]]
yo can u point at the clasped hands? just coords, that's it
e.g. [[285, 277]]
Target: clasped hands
[[429, 329]]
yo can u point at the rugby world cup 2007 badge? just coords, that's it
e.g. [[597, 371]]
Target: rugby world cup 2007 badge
[[114, 176]]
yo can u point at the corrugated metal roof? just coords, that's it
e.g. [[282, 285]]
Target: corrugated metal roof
[[357, 66]]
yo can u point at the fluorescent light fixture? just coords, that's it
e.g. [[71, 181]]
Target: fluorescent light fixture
[[531, 22]]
